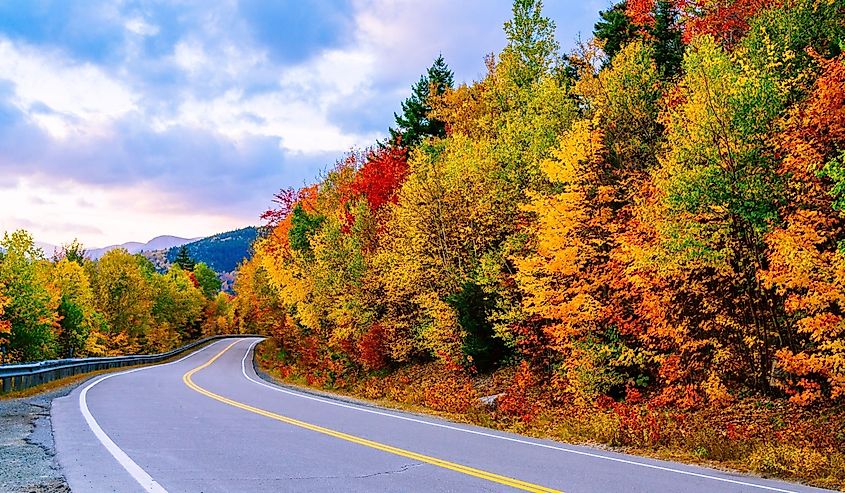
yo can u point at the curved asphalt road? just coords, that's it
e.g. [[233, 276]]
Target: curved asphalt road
[[207, 423]]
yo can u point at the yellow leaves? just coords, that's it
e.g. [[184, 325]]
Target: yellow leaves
[[162, 337], [562, 220], [580, 149], [440, 333], [95, 344], [103, 344], [789, 460], [72, 281], [5, 325], [561, 280], [715, 390], [822, 327]]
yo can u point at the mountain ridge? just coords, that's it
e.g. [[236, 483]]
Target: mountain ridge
[[161, 242], [222, 252]]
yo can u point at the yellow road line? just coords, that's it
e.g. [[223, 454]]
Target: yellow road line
[[478, 473]]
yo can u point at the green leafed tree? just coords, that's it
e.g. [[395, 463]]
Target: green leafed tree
[[414, 124], [303, 226], [74, 330], [76, 310], [31, 312], [207, 279], [532, 49], [73, 252]]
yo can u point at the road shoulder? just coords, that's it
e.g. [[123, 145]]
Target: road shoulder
[[28, 461]]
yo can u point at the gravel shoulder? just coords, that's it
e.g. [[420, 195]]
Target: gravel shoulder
[[27, 452]]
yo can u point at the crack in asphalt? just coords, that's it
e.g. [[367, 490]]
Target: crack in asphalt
[[400, 470], [395, 471]]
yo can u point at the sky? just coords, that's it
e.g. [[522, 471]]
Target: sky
[[124, 120]]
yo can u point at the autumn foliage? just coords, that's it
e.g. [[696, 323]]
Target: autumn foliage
[[71, 306], [645, 249]]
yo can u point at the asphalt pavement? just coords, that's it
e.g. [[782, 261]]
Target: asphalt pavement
[[208, 423]]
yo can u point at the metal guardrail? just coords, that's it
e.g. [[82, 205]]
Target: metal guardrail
[[27, 375]]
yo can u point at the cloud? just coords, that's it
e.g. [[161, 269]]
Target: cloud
[[148, 112], [60, 97], [141, 27], [315, 26]]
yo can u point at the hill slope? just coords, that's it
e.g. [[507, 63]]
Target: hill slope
[[222, 252]]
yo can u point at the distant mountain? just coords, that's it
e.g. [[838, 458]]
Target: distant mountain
[[47, 248], [222, 252], [157, 243]]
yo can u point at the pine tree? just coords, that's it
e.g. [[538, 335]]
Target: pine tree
[[656, 22], [414, 124], [184, 260], [667, 39], [615, 29]]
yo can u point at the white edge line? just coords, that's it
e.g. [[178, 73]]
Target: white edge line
[[499, 437], [138, 474]]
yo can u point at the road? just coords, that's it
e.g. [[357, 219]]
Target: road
[[208, 423]]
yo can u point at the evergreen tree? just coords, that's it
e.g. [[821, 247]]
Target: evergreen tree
[[414, 124], [184, 260], [657, 25], [614, 29], [667, 41]]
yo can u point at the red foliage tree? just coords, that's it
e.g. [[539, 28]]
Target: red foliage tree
[[726, 20], [380, 177], [285, 201], [372, 348], [641, 12]]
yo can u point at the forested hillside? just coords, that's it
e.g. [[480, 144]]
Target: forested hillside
[[222, 252], [639, 243], [73, 306]]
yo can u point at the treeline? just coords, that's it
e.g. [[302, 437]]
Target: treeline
[[658, 214], [70, 306], [642, 240]]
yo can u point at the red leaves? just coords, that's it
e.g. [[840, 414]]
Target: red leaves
[[520, 398], [286, 201], [726, 20], [372, 348], [641, 12], [193, 279], [379, 179]]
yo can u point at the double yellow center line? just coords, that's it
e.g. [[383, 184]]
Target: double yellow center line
[[478, 473]]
